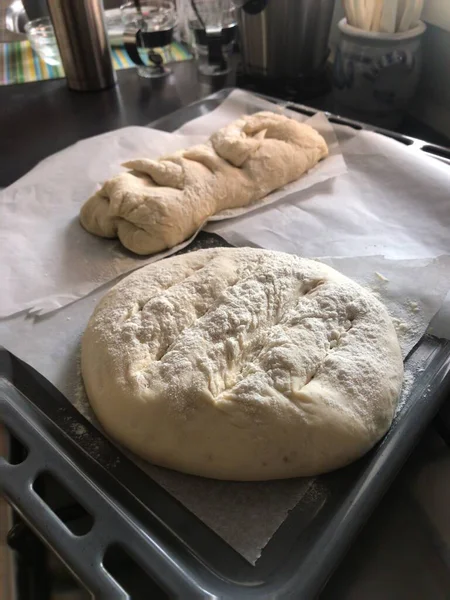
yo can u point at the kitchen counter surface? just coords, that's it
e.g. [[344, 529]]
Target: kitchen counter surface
[[41, 118], [403, 552]]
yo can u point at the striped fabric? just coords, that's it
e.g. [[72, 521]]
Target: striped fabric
[[19, 64]]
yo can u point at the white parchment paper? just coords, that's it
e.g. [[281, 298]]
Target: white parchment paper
[[412, 290], [392, 201], [246, 515], [47, 260]]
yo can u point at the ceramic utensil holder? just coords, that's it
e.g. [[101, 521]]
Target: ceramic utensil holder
[[375, 75]]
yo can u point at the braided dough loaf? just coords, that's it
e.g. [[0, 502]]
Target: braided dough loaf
[[242, 364], [162, 203]]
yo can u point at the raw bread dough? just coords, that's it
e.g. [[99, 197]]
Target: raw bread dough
[[162, 203], [242, 364]]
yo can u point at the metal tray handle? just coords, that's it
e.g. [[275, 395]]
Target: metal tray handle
[[83, 553], [16, 483]]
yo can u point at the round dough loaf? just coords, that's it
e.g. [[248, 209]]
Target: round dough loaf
[[242, 364]]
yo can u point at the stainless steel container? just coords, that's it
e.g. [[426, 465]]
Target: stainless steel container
[[285, 38], [83, 44]]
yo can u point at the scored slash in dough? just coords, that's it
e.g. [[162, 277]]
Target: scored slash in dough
[[242, 364], [161, 203]]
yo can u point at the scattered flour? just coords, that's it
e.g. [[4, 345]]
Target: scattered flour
[[401, 327], [413, 306], [408, 381]]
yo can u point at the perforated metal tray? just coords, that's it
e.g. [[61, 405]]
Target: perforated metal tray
[[184, 557], [181, 554]]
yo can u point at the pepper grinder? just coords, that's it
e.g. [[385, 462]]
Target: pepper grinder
[[83, 43]]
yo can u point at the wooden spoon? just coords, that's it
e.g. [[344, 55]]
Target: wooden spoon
[[403, 6], [417, 13], [376, 15], [369, 8], [389, 16], [349, 6], [411, 15]]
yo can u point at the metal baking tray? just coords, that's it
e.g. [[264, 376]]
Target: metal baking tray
[[197, 109], [182, 556]]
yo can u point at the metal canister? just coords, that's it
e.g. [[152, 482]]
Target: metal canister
[[83, 43], [284, 38]]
